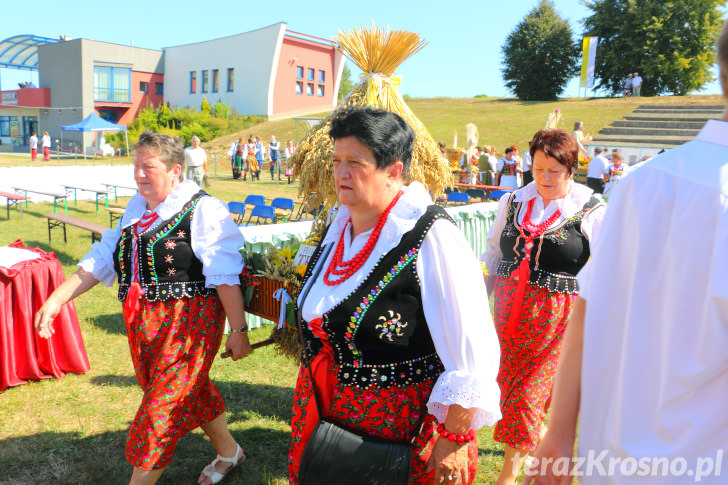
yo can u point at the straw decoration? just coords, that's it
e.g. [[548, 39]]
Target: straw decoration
[[378, 53]]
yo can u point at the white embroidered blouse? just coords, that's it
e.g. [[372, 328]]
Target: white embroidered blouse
[[571, 204], [215, 237]]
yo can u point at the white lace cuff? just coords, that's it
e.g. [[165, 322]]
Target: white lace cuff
[[468, 391], [101, 271], [491, 262], [215, 280]]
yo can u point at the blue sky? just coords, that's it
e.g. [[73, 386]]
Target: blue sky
[[462, 59]]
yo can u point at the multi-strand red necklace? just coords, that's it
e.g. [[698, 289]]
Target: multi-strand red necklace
[[523, 272], [145, 222], [345, 269]]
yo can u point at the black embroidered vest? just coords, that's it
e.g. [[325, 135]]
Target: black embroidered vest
[[557, 255], [379, 334], [167, 266]]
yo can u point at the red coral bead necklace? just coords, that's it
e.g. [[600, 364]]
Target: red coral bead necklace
[[345, 269]]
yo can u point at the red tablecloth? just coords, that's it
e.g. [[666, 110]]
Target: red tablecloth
[[23, 354]]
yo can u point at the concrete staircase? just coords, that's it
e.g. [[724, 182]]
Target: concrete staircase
[[657, 126]]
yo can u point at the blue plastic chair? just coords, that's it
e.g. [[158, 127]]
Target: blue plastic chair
[[283, 208], [237, 211], [253, 200], [476, 194], [264, 212], [497, 194], [457, 198]]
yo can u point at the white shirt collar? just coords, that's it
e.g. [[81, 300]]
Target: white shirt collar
[[714, 132], [403, 217], [571, 204], [174, 202]]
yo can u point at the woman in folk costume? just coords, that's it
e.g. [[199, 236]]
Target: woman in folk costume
[[391, 314], [252, 161], [614, 172], [536, 246], [175, 254], [239, 161], [508, 169]]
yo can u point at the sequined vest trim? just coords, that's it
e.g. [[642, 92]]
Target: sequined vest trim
[[168, 267], [557, 255], [379, 333]]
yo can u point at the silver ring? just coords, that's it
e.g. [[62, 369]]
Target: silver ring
[[450, 477]]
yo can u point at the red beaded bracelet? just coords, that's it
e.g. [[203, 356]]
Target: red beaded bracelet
[[456, 438]]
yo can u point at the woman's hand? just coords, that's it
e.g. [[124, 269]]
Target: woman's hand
[[238, 345], [45, 316], [548, 457], [449, 460]]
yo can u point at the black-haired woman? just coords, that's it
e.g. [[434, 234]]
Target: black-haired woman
[[391, 307]]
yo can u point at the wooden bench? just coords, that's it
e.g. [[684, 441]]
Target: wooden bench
[[56, 195], [114, 214], [56, 220], [72, 188], [14, 199]]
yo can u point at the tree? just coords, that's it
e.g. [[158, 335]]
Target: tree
[[205, 106], [539, 55], [346, 84], [669, 43]]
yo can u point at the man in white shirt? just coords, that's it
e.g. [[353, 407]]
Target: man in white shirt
[[597, 165], [196, 160], [636, 84], [647, 375]]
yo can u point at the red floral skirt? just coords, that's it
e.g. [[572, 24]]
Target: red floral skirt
[[173, 344], [394, 413], [528, 361]]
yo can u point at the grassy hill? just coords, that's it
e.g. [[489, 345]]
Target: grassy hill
[[500, 121]]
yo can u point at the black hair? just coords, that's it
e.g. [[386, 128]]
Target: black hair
[[386, 134]]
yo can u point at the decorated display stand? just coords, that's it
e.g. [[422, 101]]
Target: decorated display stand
[[276, 275]]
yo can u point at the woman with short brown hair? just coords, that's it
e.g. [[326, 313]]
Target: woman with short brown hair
[[538, 243]]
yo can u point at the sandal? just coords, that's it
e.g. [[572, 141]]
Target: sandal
[[215, 476]]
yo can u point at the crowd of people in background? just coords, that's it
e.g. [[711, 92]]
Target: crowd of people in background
[[249, 158]]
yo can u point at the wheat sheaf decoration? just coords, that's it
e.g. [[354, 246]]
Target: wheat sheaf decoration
[[378, 53]]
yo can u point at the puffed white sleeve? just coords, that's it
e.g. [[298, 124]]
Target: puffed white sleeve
[[592, 223], [216, 242], [493, 254], [100, 260], [455, 304], [499, 165]]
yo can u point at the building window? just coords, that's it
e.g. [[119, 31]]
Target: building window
[[193, 82], [9, 126], [158, 88], [215, 80], [205, 81], [299, 72], [112, 84], [299, 87], [231, 79], [322, 76], [143, 86], [311, 71], [309, 89], [109, 115], [320, 90]]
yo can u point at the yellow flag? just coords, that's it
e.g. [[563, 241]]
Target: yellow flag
[[588, 59]]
